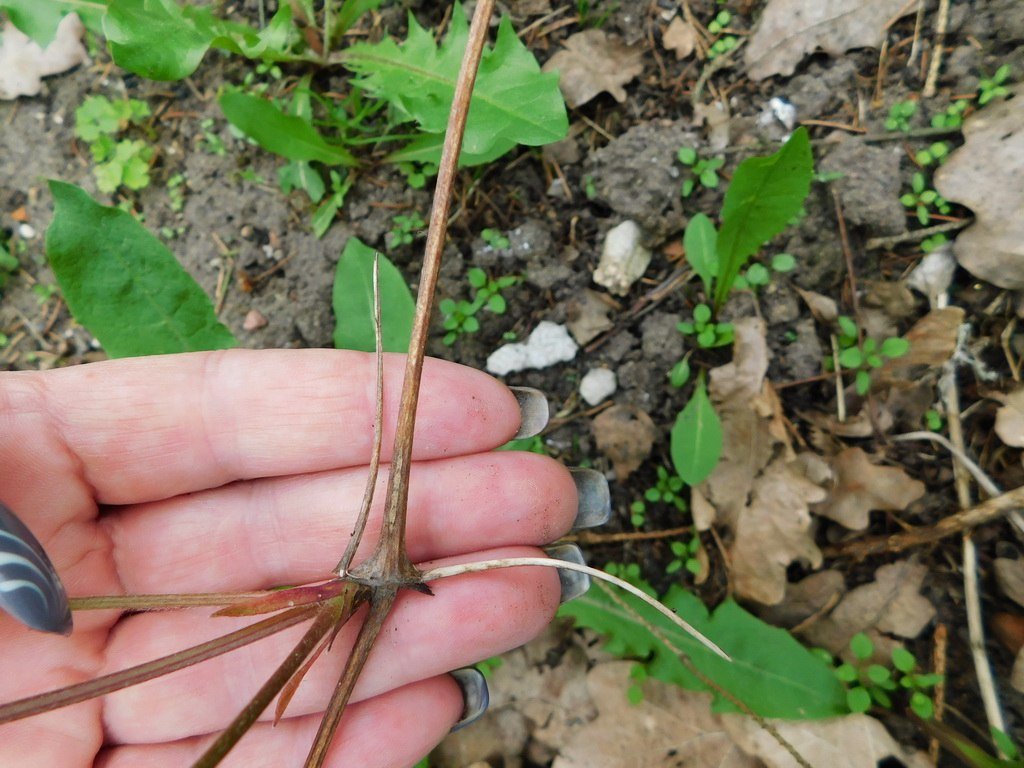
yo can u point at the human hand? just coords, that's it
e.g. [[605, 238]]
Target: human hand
[[241, 470]]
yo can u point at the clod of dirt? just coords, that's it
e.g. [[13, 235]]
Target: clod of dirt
[[626, 435], [801, 357], [788, 30], [890, 605], [679, 37], [549, 344], [597, 385], [661, 340], [861, 487], [638, 177], [870, 185], [588, 315], [623, 258], [820, 90], [24, 64], [593, 63], [884, 306], [984, 174]]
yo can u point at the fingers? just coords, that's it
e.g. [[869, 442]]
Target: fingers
[[469, 617], [292, 530], [146, 429], [388, 731]]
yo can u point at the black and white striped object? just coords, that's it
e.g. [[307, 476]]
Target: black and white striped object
[[30, 589]]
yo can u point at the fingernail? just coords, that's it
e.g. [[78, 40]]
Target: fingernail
[[533, 409], [475, 695], [593, 499], [573, 583]]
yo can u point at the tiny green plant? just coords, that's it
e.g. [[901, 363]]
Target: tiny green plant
[[667, 490], [708, 333], [723, 43], [487, 666], [924, 200], [176, 192], [684, 555], [119, 162], [952, 116], [899, 116], [874, 684], [936, 154], [405, 229], [933, 420], [758, 275], [861, 357], [990, 88], [699, 170], [495, 239], [460, 317], [210, 141], [937, 240]]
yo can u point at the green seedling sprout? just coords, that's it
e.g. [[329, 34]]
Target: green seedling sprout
[[708, 333], [923, 199], [862, 357], [952, 116], [874, 684], [899, 116], [684, 555], [119, 162], [701, 170], [936, 153], [460, 317], [404, 229], [724, 43], [495, 239], [990, 88], [758, 275], [937, 240]]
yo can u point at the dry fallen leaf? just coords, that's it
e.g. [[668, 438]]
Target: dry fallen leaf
[[592, 63], [884, 305], [860, 487], [679, 37], [668, 728], [1010, 419], [891, 604], [1010, 577], [790, 29], [23, 64], [933, 340], [805, 598], [853, 741], [984, 174], [822, 307], [626, 435]]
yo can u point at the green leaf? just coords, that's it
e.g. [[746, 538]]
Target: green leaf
[[895, 347], [861, 646], [352, 300], [770, 671], [851, 358], [862, 382], [1004, 743], [847, 327], [324, 215], [921, 705], [476, 277], [765, 193], [701, 313], [878, 674], [283, 134], [757, 275], [39, 18], [153, 38], [699, 244], [903, 659], [680, 373], [783, 262], [497, 304], [687, 155], [513, 101], [123, 284], [299, 174], [846, 672], [696, 438], [858, 700]]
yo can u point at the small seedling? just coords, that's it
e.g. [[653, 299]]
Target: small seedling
[[993, 87], [873, 683], [210, 141], [709, 334], [487, 666], [679, 373], [937, 153], [899, 116], [98, 121], [405, 229], [702, 170], [863, 357], [341, 183], [666, 490], [929, 244], [685, 556], [176, 192], [44, 291], [922, 199], [952, 117], [495, 239], [933, 420], [758, 275], [459, 317], [724, 43]]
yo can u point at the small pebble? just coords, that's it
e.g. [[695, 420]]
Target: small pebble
[[549, 343], [26, 231], [254, 320], [623, 259], [598, 385]]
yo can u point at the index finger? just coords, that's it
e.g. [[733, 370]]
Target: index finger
[[150, 428]]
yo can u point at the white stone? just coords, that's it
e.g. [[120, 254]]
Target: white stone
[[598, 385], [623, 259], [26, 231], [23, 64], [549, 343]]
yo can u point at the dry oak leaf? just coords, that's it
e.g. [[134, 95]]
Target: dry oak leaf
[[1010, 418], [1010, 577], [592, 63], [626, 435], [790, 29], [670, 727], [984, 174], [853, 741], [933, 341], [891, 604], [860, 487], [805, 599], [679, 37]]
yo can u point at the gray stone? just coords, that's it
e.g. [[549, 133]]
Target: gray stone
[[870, 186], [661, 340]]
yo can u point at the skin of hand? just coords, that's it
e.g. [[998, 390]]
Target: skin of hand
[[241, 470]]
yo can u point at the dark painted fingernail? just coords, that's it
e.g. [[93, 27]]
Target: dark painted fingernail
[[573, 583], [475, 696], [594, 500], [533, 408]]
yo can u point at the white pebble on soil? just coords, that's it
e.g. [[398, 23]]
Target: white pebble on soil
[[598, 385], [549, 343], [623, 259]]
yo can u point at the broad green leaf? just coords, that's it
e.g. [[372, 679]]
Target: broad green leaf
[[285, 135], [39, 18], [123, 284], [513, 101], [154, 38], [770, 672], [353, 301], [696, 438], [699, 242], [765, 193]]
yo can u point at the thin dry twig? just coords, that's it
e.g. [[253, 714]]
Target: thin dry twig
[[940, 38]]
